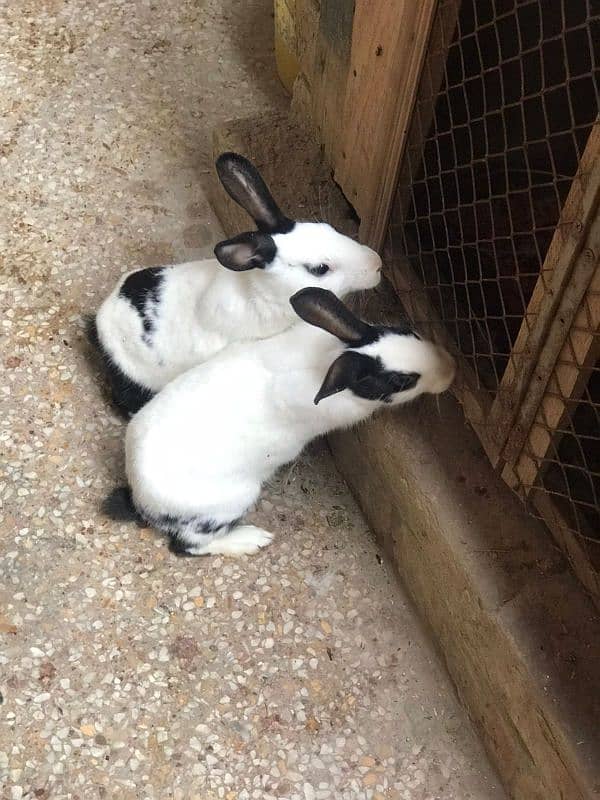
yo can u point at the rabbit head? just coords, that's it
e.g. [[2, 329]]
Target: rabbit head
[[384, 364], [292, 254]]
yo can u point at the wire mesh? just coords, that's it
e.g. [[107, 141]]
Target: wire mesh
[[507, 99], [571, 470]]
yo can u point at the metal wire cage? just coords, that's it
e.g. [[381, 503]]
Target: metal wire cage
[[494, 238]]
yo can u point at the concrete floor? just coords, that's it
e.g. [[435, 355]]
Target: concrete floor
[[127, 673]]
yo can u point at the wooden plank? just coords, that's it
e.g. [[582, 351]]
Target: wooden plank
[[576, 359], [330, 73], [556, 274], [389, 41], [286, 42], [306, 25], [583, 270], [432, 75], [494, 590]]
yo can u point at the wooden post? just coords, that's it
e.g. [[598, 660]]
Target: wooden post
[[430, 82], [389, 42], [575, 361], [565, 275]]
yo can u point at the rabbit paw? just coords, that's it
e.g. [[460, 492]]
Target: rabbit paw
[[243, 540]]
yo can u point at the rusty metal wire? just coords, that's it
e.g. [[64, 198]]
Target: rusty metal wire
[[507, 99]]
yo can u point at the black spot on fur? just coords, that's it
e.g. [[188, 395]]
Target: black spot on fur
[[377, 332], [119, 506], [366, 377], [91, 331], [142, 289], [381, 384], [127, 395], [178, 548], [193, 525], [401, 330]]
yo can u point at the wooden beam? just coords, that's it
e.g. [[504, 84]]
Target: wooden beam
[[330, 73], [430, 82], [543, 328], [571, 374], [584, 269], [389, 42], [466, 549]]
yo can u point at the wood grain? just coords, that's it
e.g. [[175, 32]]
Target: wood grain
[[389, 41], [543, 330]]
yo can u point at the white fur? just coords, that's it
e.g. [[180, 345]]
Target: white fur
[[412, 354], [241, 540], [203, 447], [203, 306]]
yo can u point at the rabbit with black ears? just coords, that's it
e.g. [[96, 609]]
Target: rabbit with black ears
[[198, 453], [160, 321]]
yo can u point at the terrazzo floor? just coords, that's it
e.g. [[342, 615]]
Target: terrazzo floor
[[301, 673]]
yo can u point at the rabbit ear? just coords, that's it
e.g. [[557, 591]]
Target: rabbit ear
[[243, 183], [345, 372], [246, 251], [322, 308]]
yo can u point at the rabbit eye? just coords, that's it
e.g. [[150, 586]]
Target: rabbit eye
[[320, 269]]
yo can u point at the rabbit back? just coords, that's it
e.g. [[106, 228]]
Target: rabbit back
[[155, 327], [206, 443]]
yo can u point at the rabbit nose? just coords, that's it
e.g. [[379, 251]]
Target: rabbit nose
[[372, 259], [447, 370], [377, 262]]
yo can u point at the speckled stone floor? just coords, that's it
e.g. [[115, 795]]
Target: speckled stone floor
[[301, 673]]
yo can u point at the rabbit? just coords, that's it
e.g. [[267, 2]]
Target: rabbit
[[159, 322], [198, 453]]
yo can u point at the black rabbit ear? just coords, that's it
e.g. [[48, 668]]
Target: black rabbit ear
[[246, 251], [322, 308], [345, 372], [243, 183]]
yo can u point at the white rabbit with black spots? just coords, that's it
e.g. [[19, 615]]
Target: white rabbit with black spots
[[198, 453], [160, 321]]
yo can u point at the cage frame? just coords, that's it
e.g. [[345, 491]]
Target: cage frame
[[560, 327]]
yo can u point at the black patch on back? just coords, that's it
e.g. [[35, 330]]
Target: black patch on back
[[142, 289], [127, 395]]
